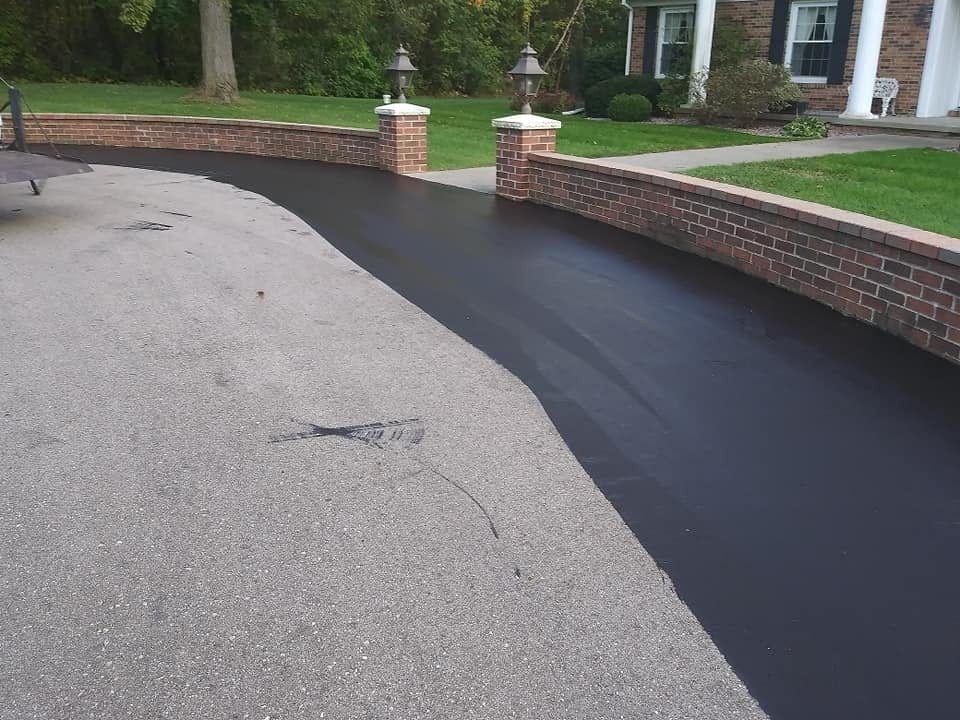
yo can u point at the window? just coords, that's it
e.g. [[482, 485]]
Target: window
[[809, 40], [674, 35]]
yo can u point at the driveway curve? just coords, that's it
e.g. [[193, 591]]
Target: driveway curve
[[241, 478], [793, 472]]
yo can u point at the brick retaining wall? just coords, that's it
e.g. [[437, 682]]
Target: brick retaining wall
[[901, 279], [350, 146]]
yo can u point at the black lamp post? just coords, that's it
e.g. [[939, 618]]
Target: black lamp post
[[527, 76], [401, 72]]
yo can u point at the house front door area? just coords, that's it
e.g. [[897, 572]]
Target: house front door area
[[835, 49]]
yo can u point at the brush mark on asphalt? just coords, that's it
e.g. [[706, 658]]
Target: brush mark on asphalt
[[794, 472], [394, 434], [473, 499], [145, 225], [377, 434]]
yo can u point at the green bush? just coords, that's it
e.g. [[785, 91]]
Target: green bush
[[345, 67], [676, 92], [597, 98], [742, 92], [603, 62], [630, 108], [805, 127], [731, 46], [675, 85]]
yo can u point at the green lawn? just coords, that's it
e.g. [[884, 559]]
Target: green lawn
[[460, 131], [918, 187]]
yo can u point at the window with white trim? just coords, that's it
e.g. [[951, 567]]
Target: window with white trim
[[809, 39], [674, 35]]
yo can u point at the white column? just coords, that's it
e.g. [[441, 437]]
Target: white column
[[868, 57], [940, 84], [626, 62], [702, 42]]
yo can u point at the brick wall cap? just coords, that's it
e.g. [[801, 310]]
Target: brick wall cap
[[526, 122], [395, 109], [921, 242], [192, 120]]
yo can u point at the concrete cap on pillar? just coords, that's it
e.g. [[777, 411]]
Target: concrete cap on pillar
[[526, 122], [401, 109]]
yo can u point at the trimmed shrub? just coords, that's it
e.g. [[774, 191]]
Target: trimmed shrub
[[742, 92], [597, 98], [630, 108], [805, 127]]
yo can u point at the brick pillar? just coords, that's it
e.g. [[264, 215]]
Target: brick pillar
[[517, 136], [403, 137]]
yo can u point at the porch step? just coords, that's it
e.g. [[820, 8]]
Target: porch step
[[904, 124]]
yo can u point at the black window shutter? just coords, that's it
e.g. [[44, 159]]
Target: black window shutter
[[841, 39], [778, 36], [650, 41]]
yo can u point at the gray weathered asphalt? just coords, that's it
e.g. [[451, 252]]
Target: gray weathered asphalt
[[160, 558]]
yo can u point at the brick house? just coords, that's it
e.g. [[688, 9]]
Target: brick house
[[828, 44]]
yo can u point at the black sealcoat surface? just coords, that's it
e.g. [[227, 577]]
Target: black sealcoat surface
[[796, 473]]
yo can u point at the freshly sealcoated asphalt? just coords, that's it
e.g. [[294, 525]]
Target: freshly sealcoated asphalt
[[242, 478], [795, 473]]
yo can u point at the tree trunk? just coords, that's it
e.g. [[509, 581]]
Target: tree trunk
[[219, 76]]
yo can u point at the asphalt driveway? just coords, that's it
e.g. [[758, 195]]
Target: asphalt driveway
[[242, 478], [792, 472]]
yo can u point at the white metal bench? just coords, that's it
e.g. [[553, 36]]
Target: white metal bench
[[886, 90]]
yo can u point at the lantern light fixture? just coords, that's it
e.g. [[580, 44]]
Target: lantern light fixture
[[401, 72], [527, 76]]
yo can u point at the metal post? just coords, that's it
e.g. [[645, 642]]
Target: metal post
[[19, 131], [16, 114]]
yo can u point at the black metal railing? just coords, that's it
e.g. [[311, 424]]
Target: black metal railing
[[15, 105]]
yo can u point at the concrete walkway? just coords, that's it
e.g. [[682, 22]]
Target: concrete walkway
[[680, 160], [483, 179]]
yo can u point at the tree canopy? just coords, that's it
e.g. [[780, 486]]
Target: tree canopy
[[325, 47]]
